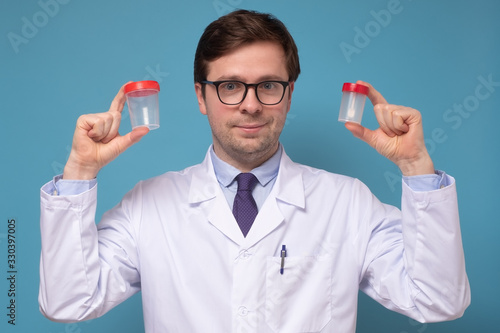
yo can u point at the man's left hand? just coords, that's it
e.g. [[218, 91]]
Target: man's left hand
[[400, 136]]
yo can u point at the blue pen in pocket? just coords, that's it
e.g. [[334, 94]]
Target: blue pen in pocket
[[283, 255]]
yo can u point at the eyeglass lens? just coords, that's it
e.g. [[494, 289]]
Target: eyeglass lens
[[233, 92]]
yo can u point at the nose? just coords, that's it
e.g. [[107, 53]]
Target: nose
[[250, 104]]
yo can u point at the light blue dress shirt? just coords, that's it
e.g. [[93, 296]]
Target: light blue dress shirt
[[265, 173]]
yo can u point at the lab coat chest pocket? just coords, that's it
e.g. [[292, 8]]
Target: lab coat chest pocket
[[299, 300]]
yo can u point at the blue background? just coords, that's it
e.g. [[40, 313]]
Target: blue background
[[58, 62]]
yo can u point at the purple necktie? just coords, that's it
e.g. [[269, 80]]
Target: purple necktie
[[244, 207]]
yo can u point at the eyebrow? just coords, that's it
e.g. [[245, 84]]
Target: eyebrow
[[260, 79]]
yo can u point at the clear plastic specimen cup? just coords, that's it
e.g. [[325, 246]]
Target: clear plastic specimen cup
[[143, 107], [353, 102]]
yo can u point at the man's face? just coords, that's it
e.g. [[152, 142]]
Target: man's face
[[246, 135]]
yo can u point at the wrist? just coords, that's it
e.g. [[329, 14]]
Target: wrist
[[418, 166], [75, 171]]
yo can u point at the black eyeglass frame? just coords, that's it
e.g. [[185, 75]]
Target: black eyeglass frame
[[285, 84]]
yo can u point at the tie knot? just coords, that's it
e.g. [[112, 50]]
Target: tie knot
[[246, 181]]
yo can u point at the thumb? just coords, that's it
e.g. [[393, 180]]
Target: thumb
[[360, 132], [122, 143], [137, 134]]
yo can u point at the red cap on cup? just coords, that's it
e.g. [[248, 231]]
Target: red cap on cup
[[141, 85], [353, 87]]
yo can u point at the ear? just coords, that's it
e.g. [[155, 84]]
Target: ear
[[291, 86], [201, 100]]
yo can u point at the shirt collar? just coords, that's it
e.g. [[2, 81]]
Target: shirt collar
[[265, 172]]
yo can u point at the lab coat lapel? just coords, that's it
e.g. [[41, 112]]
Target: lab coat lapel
[[205, 191], [288, 190]]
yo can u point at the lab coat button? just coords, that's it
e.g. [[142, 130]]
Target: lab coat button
[[242, 311], [244, 254]]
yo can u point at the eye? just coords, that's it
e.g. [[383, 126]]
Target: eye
[[230, 86], [268, 85]]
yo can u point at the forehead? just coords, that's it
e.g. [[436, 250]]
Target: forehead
[[251, 62]]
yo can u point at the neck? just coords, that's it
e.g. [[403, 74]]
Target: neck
[[245, 161]]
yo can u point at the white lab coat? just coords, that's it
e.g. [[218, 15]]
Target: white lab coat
[[174, 238]]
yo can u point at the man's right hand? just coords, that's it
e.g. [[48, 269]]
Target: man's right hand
[[96, 141]]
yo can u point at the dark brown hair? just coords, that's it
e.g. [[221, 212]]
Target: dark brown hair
[[239, 28]]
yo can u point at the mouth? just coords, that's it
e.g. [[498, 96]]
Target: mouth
[[250, 128]]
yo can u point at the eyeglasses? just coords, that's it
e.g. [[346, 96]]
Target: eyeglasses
[[234, 92]]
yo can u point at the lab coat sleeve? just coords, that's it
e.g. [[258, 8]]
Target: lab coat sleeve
[[416, 263], [83, 275]]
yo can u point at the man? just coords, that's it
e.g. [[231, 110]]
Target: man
[[318, 237]]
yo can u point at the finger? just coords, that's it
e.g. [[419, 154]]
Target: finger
[[137, 133], [95, 127], [92, 125], [361, 132], [100, 125], [115, 110], [124, 142], [399, 118], [114, 127], [119, 101], [396, 117], [382, 110], [393, 119], [383, 114], [374, 96]]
